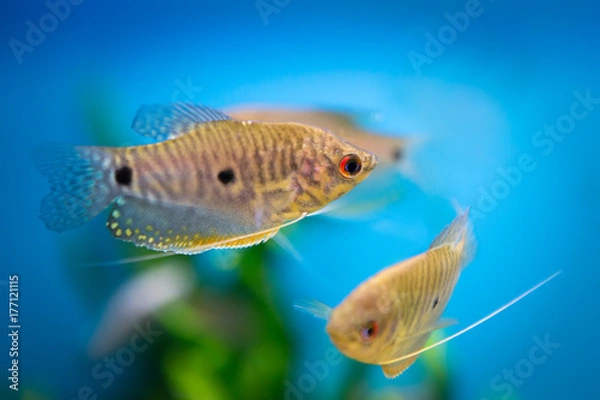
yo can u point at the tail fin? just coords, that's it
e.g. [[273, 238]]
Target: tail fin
[[79, 184], [459, 235], [408, 151]]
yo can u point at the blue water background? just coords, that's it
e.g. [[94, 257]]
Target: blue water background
[[514, 69]]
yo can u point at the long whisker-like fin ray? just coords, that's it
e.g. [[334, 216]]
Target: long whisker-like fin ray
[[128, 260], [288, 247], [473, 325]]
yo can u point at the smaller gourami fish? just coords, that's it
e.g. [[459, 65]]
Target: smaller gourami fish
[[211, 181], [388, 319], [390, 150]]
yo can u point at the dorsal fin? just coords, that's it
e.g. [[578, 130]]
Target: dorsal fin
[[459, 236], [167, 121], [454, 233]]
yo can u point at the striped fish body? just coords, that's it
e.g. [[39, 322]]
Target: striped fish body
[[228, 166], [425, 284], [211, 182], [402, 304]]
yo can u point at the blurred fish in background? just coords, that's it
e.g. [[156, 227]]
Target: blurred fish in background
[[139, 299], [394, 154], [392, 151]]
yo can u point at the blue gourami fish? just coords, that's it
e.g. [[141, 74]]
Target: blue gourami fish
[[388, 319], [211, 181]]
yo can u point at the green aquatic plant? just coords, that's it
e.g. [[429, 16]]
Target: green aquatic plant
[[228, 345]]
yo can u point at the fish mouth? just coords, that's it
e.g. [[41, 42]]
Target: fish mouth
[[339, 342], [369, 162], [336, 338]]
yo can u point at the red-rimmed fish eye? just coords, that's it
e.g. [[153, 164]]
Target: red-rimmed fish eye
[[369, 331], [350, 165]]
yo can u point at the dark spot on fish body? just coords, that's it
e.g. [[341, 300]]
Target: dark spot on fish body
[[435, 303], [226, 176], [397, 154], [124, 175]]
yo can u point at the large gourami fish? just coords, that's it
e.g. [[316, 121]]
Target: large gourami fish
[[211, 182], [388, 319]]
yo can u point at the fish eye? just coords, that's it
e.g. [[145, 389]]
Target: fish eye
[[350, 165], [369, 331]]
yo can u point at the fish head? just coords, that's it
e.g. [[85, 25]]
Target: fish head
[[362, 326], [331, 166]]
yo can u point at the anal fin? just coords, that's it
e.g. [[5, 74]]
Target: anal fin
[[394, 369], [242, 242]]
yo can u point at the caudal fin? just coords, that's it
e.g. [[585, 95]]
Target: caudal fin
[[458, 235], [406, 156], [79, 184]]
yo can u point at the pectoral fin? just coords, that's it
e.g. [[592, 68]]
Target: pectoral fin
[[314, 307], [441, 324]]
